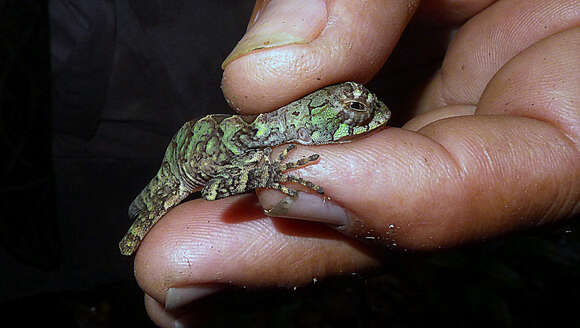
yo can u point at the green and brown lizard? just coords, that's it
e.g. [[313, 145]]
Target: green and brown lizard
[[225, 155]]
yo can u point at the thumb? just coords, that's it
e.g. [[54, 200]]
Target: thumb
[[293, 47]]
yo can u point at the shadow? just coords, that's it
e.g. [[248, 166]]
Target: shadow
[[246, 208], [300, 228]]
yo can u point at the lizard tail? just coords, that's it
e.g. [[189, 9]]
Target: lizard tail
[[168, 188], [162, 193]]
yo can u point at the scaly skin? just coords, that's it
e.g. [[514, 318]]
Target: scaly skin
[[230, 154]]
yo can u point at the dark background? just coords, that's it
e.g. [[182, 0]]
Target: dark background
[[90, 94]]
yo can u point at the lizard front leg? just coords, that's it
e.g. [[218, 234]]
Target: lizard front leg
[[291, 165], [253, 169]]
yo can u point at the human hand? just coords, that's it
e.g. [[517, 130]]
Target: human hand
[[494, 146]]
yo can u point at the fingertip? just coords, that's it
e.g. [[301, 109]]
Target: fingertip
[[345, 41], [279, 23]]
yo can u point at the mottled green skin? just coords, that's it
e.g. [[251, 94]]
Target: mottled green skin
[[230, 154]]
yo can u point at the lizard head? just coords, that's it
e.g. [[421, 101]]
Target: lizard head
[[342, 111]]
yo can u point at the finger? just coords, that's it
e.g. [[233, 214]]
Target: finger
[[466, 177], [230, 242], [541, 83], [294, 47], [429, 117], [488, 41]]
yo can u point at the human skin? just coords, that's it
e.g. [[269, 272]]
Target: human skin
[[494, 146]]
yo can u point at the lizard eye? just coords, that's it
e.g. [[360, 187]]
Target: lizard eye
[[356, 106]]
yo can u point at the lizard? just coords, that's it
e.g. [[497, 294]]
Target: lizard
[[224, 155]]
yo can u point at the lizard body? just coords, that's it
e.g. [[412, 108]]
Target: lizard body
[[226, 155]]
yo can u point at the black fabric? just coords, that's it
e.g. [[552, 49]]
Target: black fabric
[[82, 48], [125, 76]]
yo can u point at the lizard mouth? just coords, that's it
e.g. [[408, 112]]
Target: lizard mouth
[[365, 134]]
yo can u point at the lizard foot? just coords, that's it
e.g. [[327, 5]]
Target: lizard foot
[[283, 177], [282, 207]]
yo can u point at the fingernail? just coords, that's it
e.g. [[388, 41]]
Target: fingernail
[[178, 297], [277, 23], [305, 206]]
